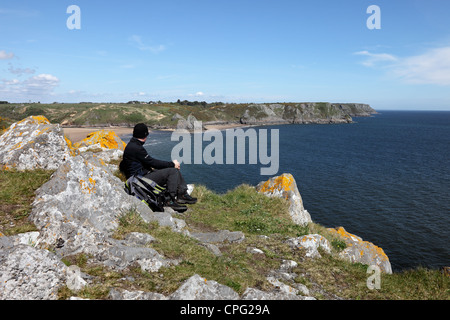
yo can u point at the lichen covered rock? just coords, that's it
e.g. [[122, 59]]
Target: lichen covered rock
[[284, 186], [102, 139], [362, 251], [311, 243], [28, 273], [79, 208], [33, 143]]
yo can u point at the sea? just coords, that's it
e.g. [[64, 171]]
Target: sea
[[384, 178]]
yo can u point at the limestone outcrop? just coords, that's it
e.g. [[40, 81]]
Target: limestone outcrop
[[33, 143], [284, 186], [362, 251]]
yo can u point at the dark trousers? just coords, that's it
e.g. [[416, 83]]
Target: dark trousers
[[170, 178]]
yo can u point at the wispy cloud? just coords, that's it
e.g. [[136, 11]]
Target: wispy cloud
[[20, 71], [39, 86], [6, 56], [374, 58], [139, 43], [197, 94], [19, 13], [431, 67]]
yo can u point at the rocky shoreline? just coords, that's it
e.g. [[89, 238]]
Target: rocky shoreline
[[78, 210]]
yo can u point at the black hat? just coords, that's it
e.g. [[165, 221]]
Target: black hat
[[140, 131]]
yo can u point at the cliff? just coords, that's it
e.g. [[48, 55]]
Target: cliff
[[171, 115], [304, 113]]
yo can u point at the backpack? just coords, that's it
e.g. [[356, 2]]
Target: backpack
[[148, 191]]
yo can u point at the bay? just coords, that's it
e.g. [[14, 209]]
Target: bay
[[384, 178]]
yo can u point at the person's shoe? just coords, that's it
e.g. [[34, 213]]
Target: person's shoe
[[176, 206], [186, 198]]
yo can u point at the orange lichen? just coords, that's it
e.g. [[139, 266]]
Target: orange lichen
[[283, 183], [36, 120], [351, 238], [106, 138], [88, 186], [73, 151]]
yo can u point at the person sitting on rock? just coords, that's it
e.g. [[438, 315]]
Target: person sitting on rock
[[136, 161]]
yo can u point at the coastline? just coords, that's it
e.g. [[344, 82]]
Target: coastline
[[76, 134]]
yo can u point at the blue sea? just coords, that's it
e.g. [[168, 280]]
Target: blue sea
[[384, 178]]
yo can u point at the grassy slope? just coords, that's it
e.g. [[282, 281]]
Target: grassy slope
[[240, 209]]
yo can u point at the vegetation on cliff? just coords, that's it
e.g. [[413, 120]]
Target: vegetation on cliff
[[167, 114], [242, 209]]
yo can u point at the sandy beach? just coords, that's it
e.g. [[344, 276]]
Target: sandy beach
[[78, 134]]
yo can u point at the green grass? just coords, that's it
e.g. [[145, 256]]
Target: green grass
[[236, 267], [16, 196], [242, 209]]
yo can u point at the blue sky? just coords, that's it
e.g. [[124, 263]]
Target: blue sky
[[230, 51]]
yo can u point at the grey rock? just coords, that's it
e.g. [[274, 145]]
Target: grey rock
[[122, 294], [255, 294], [75, 281], [219, 236], [212, 248], [299, 288], [28, 273], [139, 239], [198, 288], [119, 256], [311, 243], [285, 186], [33, 143]]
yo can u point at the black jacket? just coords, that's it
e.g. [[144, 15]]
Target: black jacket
[[136, 160]]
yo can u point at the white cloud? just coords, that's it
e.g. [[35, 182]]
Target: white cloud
[[6, 56], [197, 94], [139, 43], [431, 67], [374, 58], [37, 87], [20, 71]]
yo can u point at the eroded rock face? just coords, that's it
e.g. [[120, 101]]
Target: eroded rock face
[[28, 273], [79, 208], [362, 251], [284, 186], [198, 288], [311, 243], [33, 143]]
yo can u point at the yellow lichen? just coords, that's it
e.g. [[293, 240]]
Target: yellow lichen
[[88, 186], [36, 120], [72, 150], [349, 238], [106, 138], [283, 183]]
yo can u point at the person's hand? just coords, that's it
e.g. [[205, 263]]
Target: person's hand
[[177, 164]]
